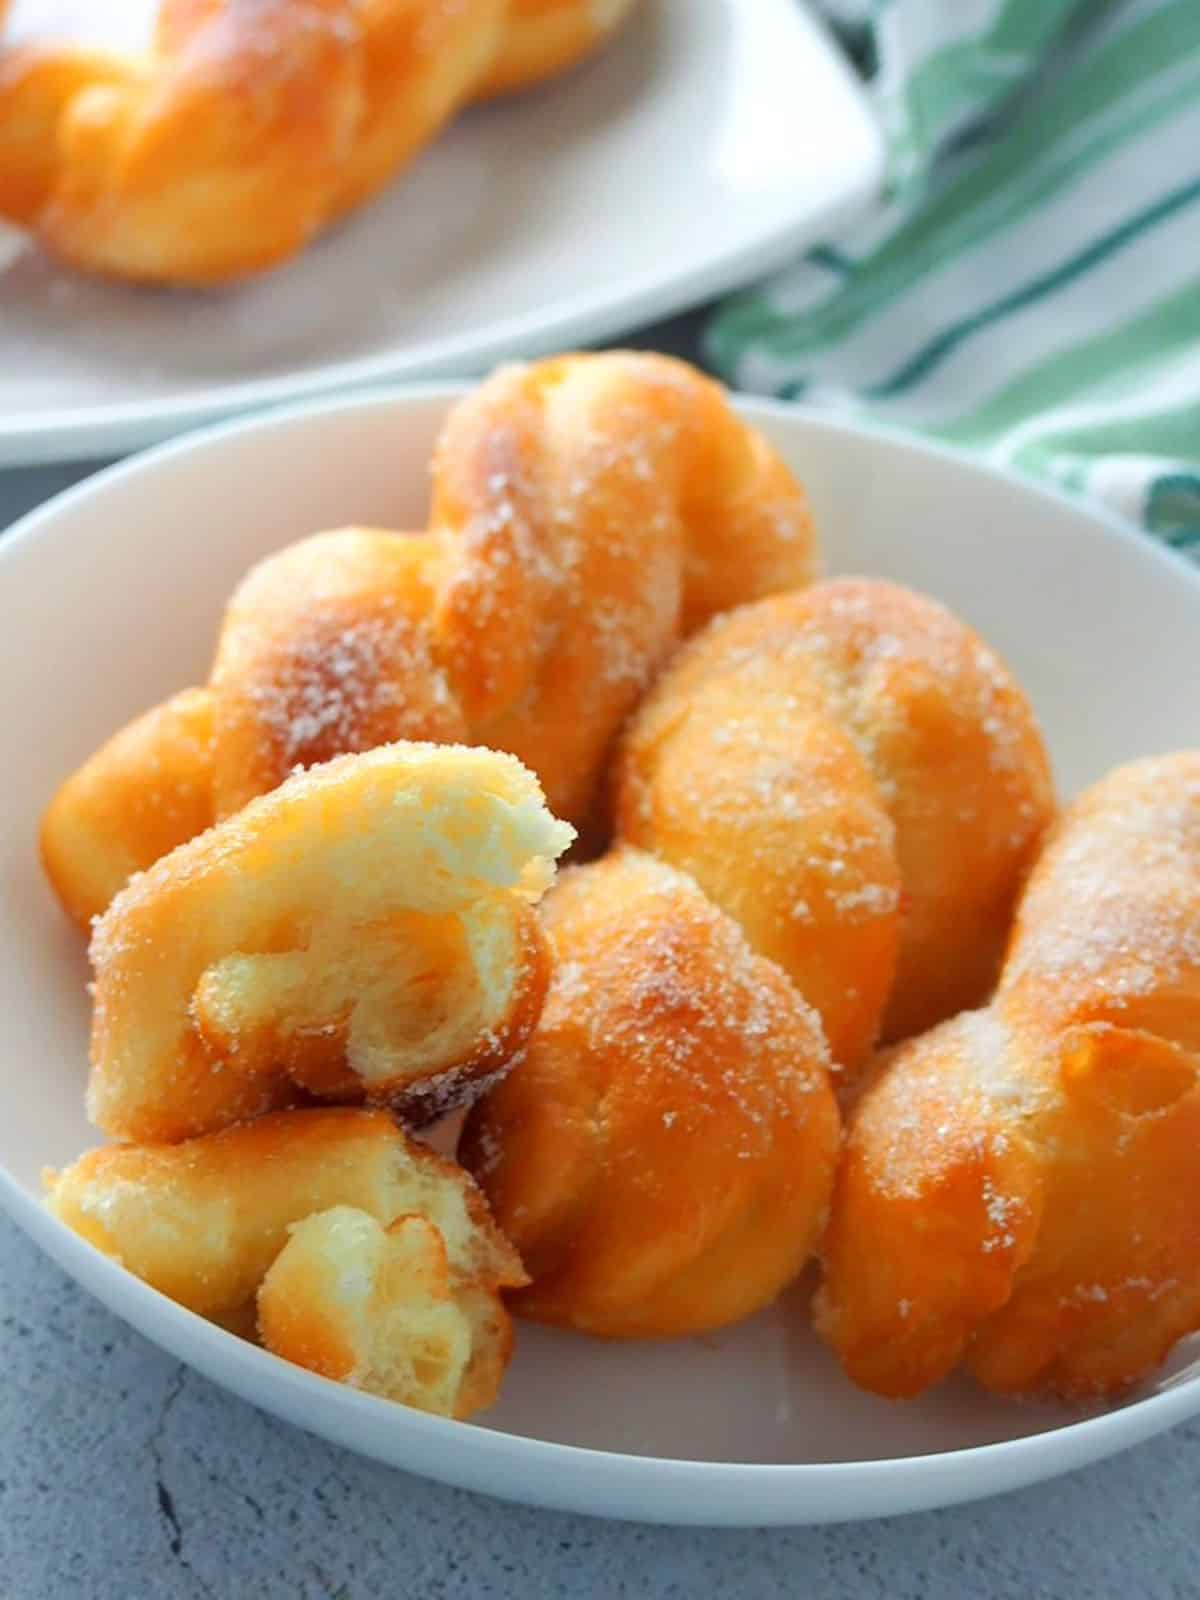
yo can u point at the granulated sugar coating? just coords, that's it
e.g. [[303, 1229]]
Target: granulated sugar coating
[[956, 1095], [140, 794], [662, 1157], [1109, 927], [853, 775], [326, 650], [587, 512], [593, 510], [336, 692], [1019, 1189], [209, 1221]]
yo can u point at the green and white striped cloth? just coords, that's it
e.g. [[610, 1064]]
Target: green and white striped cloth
[[1030, 286]]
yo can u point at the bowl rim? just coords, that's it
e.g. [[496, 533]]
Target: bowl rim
[[578, 1477]]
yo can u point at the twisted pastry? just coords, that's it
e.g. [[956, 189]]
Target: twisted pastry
[[588, 511], [853, 775], [1019, 1186], [239, 1227], [850, 775], [367, 931], [251, 125], [662, 1157]]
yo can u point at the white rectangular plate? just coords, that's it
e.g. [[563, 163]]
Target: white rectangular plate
[[711, 140]]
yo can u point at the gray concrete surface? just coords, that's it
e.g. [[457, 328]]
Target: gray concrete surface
[[124, 1476]]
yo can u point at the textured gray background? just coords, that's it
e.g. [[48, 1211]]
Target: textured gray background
[[124, 1476]]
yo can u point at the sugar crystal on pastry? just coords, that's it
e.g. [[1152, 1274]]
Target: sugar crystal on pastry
[[1021, 1180], [587, 512], [850, 772], [662, 1155]]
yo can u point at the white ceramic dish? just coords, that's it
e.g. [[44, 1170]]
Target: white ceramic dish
[[111, 595], [708, 143]]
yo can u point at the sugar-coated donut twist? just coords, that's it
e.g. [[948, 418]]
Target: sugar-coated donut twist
[[663, 1155], [588, 512], [355, 1250], [848, 787], [366, 931], [1019, 1186], [855, 777], [250, 125]]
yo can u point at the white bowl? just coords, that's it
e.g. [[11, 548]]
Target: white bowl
[[112, 594]]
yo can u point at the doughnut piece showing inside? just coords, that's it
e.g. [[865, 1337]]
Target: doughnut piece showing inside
[[382, 1263], [364, 932], [386, 1309]]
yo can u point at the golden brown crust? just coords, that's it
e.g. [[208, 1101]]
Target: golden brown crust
[[1019, 1190], [142, 793], [420, 64], [325, 650], [203, 1220], [221, 157], [595, 508], [852, 774], [364, 932], [253, 1212], [544, 37], [663, 1155], [587, 511], [36, 87], [250, 125]]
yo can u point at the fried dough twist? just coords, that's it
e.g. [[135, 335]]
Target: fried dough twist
[[1019, 1186], [663, 1155], [856, 778], [588, 512], [850, 775], [249, 126]]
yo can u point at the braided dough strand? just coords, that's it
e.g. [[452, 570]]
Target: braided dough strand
[[1019, 1186], [249, 126], [587, 513], [854, 776], [663, 1155]]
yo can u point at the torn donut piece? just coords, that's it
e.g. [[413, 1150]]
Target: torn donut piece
[[381, 1262], [386, 1309], [366, 932]]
